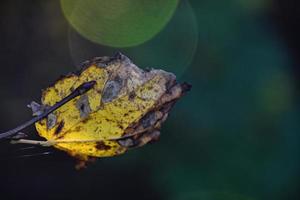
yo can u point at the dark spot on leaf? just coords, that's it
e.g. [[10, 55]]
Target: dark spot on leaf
[[96, 129], [120, 126], [131, 96], [56, 90], [112, 89], [102, 146], [128, 130], [85, 120], [51, 121], [150, 87], [83, 106], [148, 120], [42, 122], [59, 127]]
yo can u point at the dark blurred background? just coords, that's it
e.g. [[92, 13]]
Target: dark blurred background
[[234, 136]]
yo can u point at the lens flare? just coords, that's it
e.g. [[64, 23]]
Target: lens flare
[[118, 23]]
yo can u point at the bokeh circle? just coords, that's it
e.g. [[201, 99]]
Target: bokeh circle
[[118, 23]]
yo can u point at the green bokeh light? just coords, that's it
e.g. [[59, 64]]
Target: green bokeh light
[[118, 23], [172, 49]]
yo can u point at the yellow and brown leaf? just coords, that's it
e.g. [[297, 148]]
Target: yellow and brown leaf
[[124, 109]]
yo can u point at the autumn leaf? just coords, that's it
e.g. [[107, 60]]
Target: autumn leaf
[[122, 108]]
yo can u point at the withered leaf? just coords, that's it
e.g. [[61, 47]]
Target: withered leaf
[[124, 108]]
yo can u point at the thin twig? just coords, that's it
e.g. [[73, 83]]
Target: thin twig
[[83, 88]]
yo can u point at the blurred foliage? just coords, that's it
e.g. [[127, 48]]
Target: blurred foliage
[[234, 136]]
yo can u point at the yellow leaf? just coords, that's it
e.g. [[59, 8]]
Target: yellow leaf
[[124, 109]]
